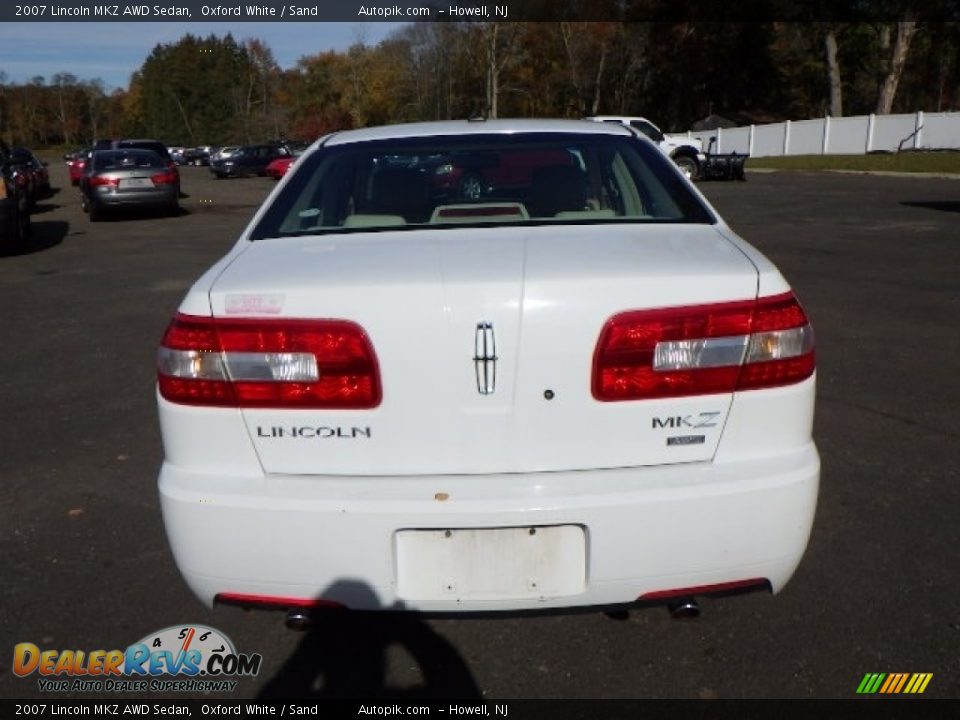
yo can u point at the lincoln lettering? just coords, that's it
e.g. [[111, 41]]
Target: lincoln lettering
[[307, 431]]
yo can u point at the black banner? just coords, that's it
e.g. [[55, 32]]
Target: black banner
[[259, 11], [868, 709]]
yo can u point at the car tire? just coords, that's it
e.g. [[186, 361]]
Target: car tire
[[94, 212], [688, 166], [23, 228]]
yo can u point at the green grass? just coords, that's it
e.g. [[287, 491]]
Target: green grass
[[910, 162]]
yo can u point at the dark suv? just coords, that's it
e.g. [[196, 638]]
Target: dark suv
[[14, 202], [248, 160]]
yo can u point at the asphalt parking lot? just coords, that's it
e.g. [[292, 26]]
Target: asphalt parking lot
[[876, 262]]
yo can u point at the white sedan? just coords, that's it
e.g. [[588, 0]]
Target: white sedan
[[487, 365]]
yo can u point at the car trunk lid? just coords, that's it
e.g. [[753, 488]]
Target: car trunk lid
[[485, 340]]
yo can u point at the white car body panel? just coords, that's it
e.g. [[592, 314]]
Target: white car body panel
[[420, 296], [253, 513]]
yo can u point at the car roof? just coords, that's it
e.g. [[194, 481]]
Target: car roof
[[474, 127], [617, 118]]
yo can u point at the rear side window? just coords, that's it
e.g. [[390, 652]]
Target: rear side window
[[454, 181]]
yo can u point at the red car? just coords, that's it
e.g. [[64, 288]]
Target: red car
[[470, 177], [278, 168], [76, 164]]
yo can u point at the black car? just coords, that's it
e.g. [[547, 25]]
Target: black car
[[196, 156], [248, 160], [38, 175], [14, 202]]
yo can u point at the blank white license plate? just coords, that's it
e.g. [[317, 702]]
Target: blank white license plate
[[491, 563], [136, 183]]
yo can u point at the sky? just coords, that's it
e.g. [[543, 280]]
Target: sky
[[112, 51]]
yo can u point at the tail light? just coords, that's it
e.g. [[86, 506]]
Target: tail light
[[703, 349], [96, 180], [272, 363], [165, 178]]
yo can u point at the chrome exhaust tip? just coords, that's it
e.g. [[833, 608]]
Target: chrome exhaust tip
[[299, 620], [686, 609]]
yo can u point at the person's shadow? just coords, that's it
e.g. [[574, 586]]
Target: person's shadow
[[344, 656]]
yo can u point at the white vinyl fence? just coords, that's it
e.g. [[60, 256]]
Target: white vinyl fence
[[840, 136]]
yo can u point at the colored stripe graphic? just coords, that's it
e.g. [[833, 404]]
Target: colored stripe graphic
[[894, 683]]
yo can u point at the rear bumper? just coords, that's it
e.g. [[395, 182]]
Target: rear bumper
[[152, 198], [645, 530]]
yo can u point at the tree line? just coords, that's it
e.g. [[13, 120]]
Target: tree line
[[216, 90]]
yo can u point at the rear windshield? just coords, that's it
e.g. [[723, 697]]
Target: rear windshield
[[158, 147], [453, 181], [105, 160]]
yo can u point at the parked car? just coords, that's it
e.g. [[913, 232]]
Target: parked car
[[247, 160], [280, 166], [128, 178], [686, 152], [15, 226], [471, 175], [584, 390], [223, 153], [38, 176], [76, 165], [198, 156]]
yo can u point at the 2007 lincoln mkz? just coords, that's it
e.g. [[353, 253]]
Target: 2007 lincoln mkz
[[575, 385]]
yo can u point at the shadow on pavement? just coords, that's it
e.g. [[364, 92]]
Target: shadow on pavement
[[45, 236], [344, 655], [943, 205]]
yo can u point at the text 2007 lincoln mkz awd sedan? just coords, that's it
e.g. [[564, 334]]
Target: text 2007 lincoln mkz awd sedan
[[563, 383]]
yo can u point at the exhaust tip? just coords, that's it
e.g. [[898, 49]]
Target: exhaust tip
[[299, 620], [686, 609]]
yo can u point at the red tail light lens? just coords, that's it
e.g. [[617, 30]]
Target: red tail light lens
[[703, 349], [97, 180], [268, 363], [165, 178]]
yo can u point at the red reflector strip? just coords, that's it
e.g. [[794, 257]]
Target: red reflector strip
[[752, 583], [277, 603]]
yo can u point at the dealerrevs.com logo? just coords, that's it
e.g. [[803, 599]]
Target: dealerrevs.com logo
[[181, 658]]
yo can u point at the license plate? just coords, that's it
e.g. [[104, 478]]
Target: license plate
[[136, 183], [491, 563]]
